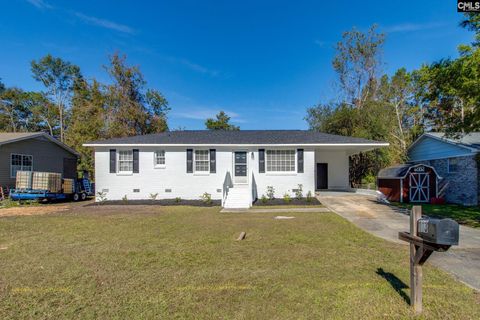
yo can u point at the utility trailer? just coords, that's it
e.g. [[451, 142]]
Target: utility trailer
[[82, 189]]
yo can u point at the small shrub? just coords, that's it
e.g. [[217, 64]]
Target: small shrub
[[101, 196], [178, 200], [264, 199], [153, 196], [299, 192], [270, 192], [206, 198], [287, 198], [309, 196], [125, 199]]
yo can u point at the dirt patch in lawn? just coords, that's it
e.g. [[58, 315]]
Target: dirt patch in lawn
[[33, 210]]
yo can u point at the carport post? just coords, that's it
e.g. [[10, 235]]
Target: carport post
[[416, 274]]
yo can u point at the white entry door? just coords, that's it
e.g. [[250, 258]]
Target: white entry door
[[419, 187], [240, 166]]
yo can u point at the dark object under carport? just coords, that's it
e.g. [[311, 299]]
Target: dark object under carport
[[409, 183]]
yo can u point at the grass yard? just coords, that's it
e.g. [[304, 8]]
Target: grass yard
[[144, 262], [469, 216]]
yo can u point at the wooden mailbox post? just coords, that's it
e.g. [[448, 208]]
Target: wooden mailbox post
[[420, 251]]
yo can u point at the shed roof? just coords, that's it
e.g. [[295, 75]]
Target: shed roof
[[401, 171], [255, 137], [394, 172]]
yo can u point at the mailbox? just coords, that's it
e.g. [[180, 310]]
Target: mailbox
[[439, 231]]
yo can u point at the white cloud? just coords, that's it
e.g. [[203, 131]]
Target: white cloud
[[411, 27], [40, 4], [205, 113], [107, 24], [320, 43], [193, 66]]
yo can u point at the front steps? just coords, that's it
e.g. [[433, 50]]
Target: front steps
[[238, 198]]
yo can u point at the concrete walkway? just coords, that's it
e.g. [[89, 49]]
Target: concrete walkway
[[384, 221]]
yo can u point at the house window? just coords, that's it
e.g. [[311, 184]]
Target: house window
[[452, 165], [280, 160], [20, 162], [159, 158], [125, 161], [202, 161]]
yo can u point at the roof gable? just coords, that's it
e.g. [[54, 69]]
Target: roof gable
[[429, 147], [12, 137]]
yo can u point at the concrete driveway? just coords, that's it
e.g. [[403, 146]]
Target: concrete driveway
[[384, 221]]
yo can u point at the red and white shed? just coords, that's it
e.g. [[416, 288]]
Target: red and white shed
[[409, 183]]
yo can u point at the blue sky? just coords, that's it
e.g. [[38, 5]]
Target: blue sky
[[263, 62]]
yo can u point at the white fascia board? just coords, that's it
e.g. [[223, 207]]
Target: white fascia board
[[239, 145]]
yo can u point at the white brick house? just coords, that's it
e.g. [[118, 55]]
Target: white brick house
[[233, 166]]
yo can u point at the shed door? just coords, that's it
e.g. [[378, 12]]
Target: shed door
[[419, 187]]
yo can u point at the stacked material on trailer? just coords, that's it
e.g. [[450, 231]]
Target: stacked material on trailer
[[24, 180], [68, 186], [50, 181]]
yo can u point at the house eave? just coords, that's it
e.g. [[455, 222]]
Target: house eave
[[373, 145]]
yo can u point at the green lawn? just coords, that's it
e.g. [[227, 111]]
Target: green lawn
[[469, 216], [147, 262]]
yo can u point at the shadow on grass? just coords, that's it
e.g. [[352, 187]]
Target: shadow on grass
[[395, 282]]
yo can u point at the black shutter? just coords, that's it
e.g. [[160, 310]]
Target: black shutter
[[300, 160], [261, 160], [113, 161], [135, 161], [213, 161], [189, 160]]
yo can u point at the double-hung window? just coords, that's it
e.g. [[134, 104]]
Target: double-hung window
[[280, 160], [125, 161], [159, 159], [452, 165], [202, 161], [20, 162]]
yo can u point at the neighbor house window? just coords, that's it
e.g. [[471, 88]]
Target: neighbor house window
[[159, 158], [125, 161], [20, 162], [280, 160], [452, 165], [202, 161]]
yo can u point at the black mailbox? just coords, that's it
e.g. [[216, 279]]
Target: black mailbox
[[439, 231]]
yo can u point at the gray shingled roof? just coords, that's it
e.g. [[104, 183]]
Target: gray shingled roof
[[471, 140], [394, 171], [192, 137]]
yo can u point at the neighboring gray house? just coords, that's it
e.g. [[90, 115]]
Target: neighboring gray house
[[34, 151], [455, 160]]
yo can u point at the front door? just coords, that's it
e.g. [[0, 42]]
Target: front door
[[322, 176], [419, 187], [240, 167]]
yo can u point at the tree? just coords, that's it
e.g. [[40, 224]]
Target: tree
[[357, 63], [87, 120], [58, 77], [44, 114], [131, 110], [449, 89], [13, 112], [220, 123]]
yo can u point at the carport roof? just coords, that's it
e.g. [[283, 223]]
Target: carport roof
[[241, 137]]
